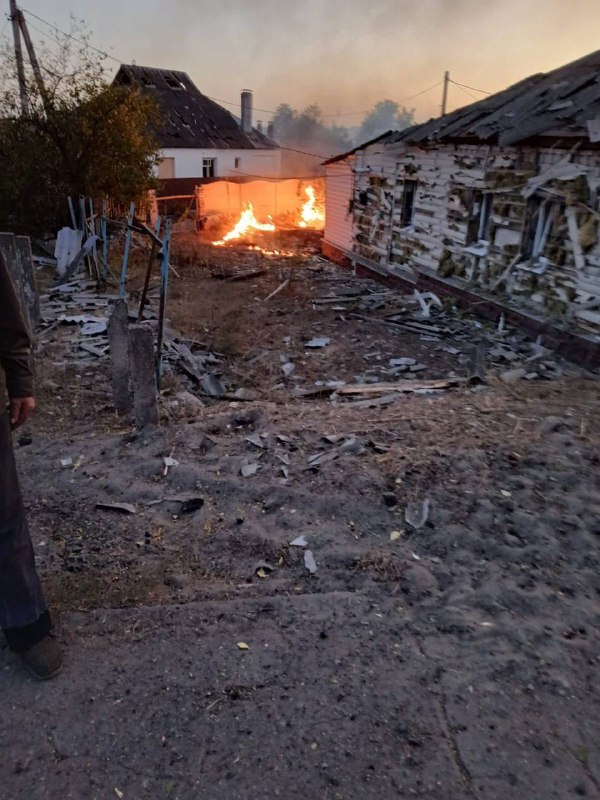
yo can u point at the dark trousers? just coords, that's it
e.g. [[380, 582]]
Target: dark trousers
[[24, 616]]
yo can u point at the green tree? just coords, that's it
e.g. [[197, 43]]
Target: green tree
[[385, 116], [80, 136]]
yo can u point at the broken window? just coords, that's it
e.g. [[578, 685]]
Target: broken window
[[209, 167], [481, 207], [544, 228], [408, 203]]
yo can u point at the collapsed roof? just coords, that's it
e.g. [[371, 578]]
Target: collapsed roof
[[190, 118], [561, 102]]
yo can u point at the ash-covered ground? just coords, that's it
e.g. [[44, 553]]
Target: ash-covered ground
[[447, 644]]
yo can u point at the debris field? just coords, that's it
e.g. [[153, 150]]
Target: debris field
[[359, 557]]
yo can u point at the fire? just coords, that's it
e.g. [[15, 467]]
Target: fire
[[246, 223], [312, 215]]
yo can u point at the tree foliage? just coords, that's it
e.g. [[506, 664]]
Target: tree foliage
[[385, 116], [81, 136]]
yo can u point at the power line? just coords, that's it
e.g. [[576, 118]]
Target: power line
[[216, 99], [472, 88], [466, 91], [69, 36], [343, 114]]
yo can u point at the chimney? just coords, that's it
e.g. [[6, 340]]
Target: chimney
[[247, 111], [270, 130], [259, 126]]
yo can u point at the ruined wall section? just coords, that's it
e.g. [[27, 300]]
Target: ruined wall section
[[375, 187], [564, 281], [521, 224]]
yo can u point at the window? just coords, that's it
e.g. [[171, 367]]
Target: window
[[408, 203], [479, 217], [545, 217], [209, 167], [166, 168], [237, 163]]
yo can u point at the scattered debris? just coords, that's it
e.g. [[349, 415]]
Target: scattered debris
[[321, 341], [258, 440], [401, 386], [94, 328], [395, 535], [299, 541], [352, 446], [212, 385], [279, 289], [416, 513], [262, 569], [402, 362], [309, 562], [476, 365], [243, 646], [248, 468], [513, 375], [123, 508]]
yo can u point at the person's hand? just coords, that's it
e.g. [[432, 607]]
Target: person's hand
[[20, 410]]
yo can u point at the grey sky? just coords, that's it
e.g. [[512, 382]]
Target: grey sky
[[343, 54]]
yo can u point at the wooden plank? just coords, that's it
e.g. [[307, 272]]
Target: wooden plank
[[401, 386]]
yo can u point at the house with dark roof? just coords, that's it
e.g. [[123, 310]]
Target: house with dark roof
[[199, 138], [499, 198]]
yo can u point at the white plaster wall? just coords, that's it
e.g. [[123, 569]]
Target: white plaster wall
[[339, 181], [257, 163]]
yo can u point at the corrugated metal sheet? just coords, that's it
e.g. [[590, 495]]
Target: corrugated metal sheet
[[339, 180]]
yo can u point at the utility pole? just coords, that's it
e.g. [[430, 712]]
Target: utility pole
[[14, 18], [445, 94], [32, 56]]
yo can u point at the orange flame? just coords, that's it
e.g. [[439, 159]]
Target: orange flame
[[311, 215], [247, 222]]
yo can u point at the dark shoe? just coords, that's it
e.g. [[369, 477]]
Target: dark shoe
[[44, 660]]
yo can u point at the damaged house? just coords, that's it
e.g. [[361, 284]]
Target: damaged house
[[497, 199], [199, 139]]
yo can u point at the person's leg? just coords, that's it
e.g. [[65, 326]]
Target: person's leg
[[24, 616]]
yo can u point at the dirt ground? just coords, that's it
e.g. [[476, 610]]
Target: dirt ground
[[454, 659]]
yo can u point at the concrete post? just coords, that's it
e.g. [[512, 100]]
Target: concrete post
[[143, 373], [118, 325]]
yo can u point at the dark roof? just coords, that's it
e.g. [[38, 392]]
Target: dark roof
[[557, 102], [190, 118]]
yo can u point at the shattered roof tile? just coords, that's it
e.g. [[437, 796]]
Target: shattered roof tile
[[190, 118]]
